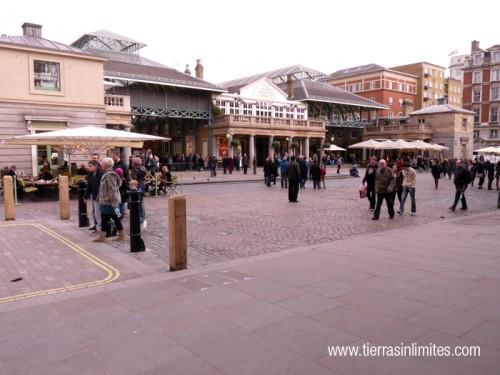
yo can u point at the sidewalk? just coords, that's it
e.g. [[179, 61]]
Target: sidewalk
[[276, 313]]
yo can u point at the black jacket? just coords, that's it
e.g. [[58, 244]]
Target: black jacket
[[315, 172], [293, 172], [370, 174], [462, 177], [268, 168], [303, 168], [93, 183]]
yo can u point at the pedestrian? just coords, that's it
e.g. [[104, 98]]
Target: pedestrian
[[275, 170], [436, 172], [490, 171], [109, 200], [283, 172], [397, 170], [461, 179], [497, 173], [119, 163], [322, 175], [303, 172], [294, 178], [315, 175], [254, 165], [339, 163], [138, 173], [409, 183], [213, 166], [480, 173], [473, 171], [92, 191], [369, 180], [268, 171], [224, 164], [244, 162], [384, 187], [230, 165]]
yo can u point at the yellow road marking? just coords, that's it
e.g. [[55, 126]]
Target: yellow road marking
[[112, 272]]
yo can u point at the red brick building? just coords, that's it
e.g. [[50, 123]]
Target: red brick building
[[396, 90], [481, 93]]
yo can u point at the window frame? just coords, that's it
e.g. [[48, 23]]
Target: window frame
[[41, 91]]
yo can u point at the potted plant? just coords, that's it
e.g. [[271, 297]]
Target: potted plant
[[295, 146], [235, 143], [276, 145]]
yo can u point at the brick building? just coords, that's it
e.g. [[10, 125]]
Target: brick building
[[430, 82], [481, 93], [396, 90]]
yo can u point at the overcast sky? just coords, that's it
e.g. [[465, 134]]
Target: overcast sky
[[238, 38]]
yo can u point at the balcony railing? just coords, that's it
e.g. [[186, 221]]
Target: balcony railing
[[268, 122], [117, 103], [400, 129]]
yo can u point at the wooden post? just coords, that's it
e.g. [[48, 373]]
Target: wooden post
[[8, 196], [177, 239], [64, 197]]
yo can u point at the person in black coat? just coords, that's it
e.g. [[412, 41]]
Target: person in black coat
[[303, 172], [293, 175], [315, 175], [436, 172], [268, 171], [480, 174], [490, 172], [369, 179], [93, 183], [461, 180]]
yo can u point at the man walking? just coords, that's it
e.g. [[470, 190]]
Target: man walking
[[283, 172], [384, 187], [93, 183], [244, 162], [293, 173], [462, 178], [116, 156], [369, 179], [303, 172], [268, 171], [409, 183]]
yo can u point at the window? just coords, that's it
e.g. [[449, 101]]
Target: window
[[496, 56], [390, 100], [478, 59], [476, 78], [278, 112], [389, 114], [426, 71], [372, 98], [263, 109], [495, 75], [495, 93], [400, 101], [476, 134], [421, 120], [247, 109], [372, 85], [477, 114], [476, 94], [234, 108], [493, 114], [301, 113], [493, 133], [464, 124], [47, 75]]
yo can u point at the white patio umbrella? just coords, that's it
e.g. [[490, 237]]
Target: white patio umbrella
[[87, 139], [366, 144], [334, 148], [421, 145], [439, 147], [488, 150], [397, 144]]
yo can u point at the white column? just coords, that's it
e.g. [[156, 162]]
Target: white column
[[306, 148], [251, 146], [290, 149], [322, 149], [271, 151], [215, 151]]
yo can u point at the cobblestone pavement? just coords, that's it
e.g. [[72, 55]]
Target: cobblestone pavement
[[229, 221]]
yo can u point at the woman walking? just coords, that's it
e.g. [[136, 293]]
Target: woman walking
[[109, 200], [436, 172]]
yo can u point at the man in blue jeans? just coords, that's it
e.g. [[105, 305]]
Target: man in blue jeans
[[409, 182]]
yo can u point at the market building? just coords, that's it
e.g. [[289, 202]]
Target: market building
[[46, 85], [397, 91], [481, 93], [161, 100], [287, 110]]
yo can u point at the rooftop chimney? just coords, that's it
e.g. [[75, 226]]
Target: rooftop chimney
[[474, 45], [32, 30], [289, 85], [198, 69], [187, 71]]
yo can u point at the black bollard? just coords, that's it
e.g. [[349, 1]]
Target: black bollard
[[498, 202], [83, 219], [136, 242]]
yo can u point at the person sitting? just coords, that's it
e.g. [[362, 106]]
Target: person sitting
[[45, 174], [354, 171]]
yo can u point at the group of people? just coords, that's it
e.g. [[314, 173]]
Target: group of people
[[108, 184], [279, 167], [381, 183]]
